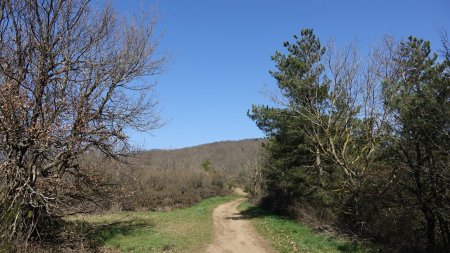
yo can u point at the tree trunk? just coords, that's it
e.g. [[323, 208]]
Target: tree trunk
[[445, 231], [431, 227]]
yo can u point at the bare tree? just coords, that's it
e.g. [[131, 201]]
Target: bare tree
[[70, 82], [349, 127]]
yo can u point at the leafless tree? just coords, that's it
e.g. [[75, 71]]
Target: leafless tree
[[70, 82]]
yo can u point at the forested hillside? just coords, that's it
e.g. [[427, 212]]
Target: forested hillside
[[164, 179], [228, 156]]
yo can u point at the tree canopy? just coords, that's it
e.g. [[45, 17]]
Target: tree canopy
[[362, 139]]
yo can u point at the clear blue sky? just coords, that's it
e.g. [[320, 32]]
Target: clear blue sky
[[221, 54]]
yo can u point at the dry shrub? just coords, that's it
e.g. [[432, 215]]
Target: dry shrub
[[162, 190], [167, 179]]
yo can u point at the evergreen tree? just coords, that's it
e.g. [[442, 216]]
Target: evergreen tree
[[292, 171], [420, 104]]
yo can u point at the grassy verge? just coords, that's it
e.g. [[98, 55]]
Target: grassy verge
[[289, 236], [180, 230]]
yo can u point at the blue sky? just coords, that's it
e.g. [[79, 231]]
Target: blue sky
[[221, 54]]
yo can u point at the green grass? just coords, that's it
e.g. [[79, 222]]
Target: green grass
[[180, 230], [289, 236]]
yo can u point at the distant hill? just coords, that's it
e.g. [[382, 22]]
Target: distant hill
[[224, 156], [161, 179]]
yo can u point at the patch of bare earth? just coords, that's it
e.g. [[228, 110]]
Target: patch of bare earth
[[234, 232]]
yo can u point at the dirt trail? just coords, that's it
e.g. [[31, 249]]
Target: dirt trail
[[234, 233]]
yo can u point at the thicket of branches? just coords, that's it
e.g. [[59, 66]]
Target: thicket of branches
[[69, 84], [362, 143]]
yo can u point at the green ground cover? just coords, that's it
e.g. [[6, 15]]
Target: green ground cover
[[288, 236], [180, 230]]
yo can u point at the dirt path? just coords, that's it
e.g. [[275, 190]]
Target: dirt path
[[234, 233]]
